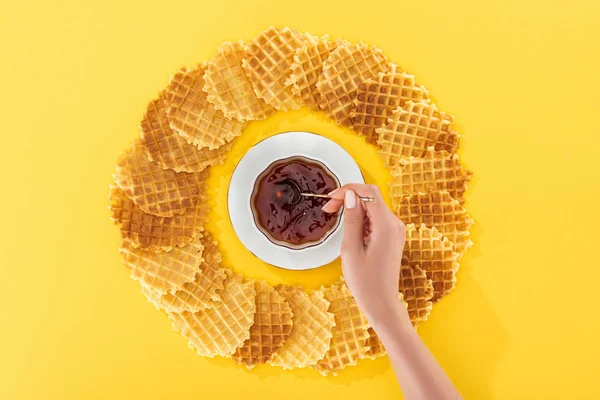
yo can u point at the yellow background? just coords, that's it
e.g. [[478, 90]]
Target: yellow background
[[520, 76]]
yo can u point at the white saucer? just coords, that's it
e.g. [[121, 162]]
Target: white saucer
[[256, 160]]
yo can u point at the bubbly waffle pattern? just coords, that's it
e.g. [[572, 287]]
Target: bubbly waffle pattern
[[149, 232], [270, 56], [168, 149], [349, 340], [199, 293], [374, 344], [437, 170], [229, 89], [307, 67], [163, 271], [272, 327], [439, 210], [417, 291], [196, 119], [311, 332], [346, 68], [411, 129], [222, 328], [378, 97], [429, 249], [157, 191]]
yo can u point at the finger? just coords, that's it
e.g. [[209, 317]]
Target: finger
[[333, 206], [353, 225], [377, 210]]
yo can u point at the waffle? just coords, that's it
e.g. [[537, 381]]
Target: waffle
[[311, 332], [154, 297], [350, 335], [411, 129], [271, 328], [417, 291], [198, 294], [432, 251], [168, 149], [437, 170], [346, 68], [193, 117], [222, 328], [166, 270], [376, 348], [149, 232], [378, 97], [438, 209], [270, 56], [228, 87], [307, 67], [154, 190]]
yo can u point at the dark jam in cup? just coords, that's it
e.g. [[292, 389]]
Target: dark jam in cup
[[282, 214]]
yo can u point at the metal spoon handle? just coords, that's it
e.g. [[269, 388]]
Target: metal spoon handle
[[326, 196]]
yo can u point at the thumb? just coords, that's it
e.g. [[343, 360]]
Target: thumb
[[353, 224]]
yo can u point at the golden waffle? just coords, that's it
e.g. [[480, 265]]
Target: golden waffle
[[376, 348], [270, 56], [349, 341], [222, 328], [228, 87], [378, 97], [157, 191], [417, 291], [346, 68], [149, 232], [311, 332], [432, 251], [437, 170], [411, 129], [271, 328], [438, 209], [199, 293], [168, 149], [193, 117], [154, 297], [166, 270], [307, 67]]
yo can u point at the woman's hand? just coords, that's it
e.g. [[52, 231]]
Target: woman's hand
[[371, 249]]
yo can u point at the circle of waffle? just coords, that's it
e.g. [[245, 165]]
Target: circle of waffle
[[157, 191], [417, 291], [343, 71], [222, 328], [270, 56], [437, 170], [271, 328], [196, 119], [228, 87], [150, 232], [429, 249], [376, 348], [311, 332], [199, 293], [438, 209], [411, 129], [168, 149], [378, 97], [349, 340], [307, 67], [166, 270]]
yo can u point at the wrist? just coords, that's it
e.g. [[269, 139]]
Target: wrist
[[388, 314]]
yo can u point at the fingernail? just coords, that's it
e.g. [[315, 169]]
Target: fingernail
[[350, 199], [333, 191]]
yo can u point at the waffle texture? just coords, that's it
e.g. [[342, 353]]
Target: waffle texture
[[376, 348], [229, 89], [378, 97], [269, 57], [196, 119], [311, 332]]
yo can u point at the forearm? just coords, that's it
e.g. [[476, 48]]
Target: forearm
[[419, 374]]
